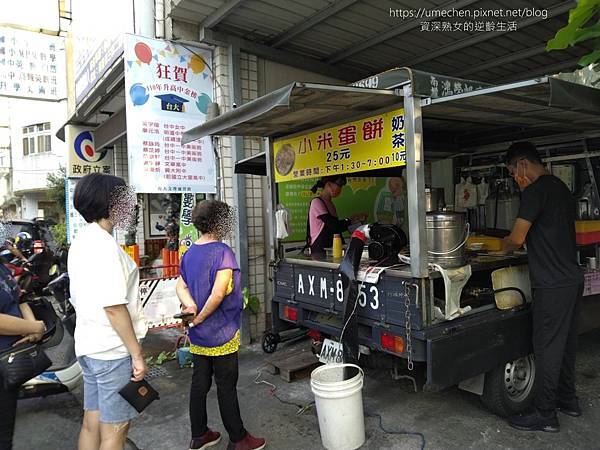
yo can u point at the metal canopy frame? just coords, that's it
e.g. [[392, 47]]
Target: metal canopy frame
[[533, 104], [293, 108]]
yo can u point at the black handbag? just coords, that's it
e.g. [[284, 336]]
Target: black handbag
[[139, 394], [22, 363]]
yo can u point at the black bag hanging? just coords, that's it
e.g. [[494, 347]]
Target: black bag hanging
[[139, 394], [22, 363]]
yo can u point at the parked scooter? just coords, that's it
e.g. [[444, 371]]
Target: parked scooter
[[65, 374], [34, 273]]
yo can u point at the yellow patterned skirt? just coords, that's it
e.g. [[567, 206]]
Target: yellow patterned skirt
[[226, 349]]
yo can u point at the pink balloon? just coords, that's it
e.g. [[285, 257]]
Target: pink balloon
[[143, 52]]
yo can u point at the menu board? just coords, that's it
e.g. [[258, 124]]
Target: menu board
[[371, 143]]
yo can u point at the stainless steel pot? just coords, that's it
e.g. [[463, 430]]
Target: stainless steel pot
[[446, 236], [434, 199]]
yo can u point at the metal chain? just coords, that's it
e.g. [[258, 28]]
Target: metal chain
[[408, 326]]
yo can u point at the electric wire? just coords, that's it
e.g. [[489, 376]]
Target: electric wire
[[303, 408], [273, 392], [421, 436]]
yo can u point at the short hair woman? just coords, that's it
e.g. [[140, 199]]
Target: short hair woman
[[210, 288]]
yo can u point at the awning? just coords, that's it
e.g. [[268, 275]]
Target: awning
[[254, 165], [525, 110], [294, 108]]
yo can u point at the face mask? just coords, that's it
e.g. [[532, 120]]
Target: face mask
[[123, 208], [522, 180]]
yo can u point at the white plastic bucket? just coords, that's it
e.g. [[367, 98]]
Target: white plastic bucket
[[339, 406]]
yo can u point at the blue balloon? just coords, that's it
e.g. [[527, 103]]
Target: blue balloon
[[138, 94], [202, 103]]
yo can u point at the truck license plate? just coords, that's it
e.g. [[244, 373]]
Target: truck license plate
[[332, 352]]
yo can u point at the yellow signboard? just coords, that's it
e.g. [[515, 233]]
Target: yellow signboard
[[372, 143]]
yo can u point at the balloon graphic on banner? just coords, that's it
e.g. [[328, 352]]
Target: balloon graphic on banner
[[138, 94], [202, 103], [196, 64], [143, 52]]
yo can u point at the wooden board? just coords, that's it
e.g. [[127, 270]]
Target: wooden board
[[294, 363]]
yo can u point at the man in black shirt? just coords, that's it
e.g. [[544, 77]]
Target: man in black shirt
[[546, 223]]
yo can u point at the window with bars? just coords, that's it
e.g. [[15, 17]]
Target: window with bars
[[37, 139]]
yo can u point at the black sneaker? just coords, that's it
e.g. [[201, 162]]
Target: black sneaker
[[535, 421], [570, 408]]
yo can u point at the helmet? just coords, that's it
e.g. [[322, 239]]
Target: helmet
[[24, 241]]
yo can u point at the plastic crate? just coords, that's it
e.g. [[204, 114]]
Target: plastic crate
[[588, 238], [587, 226]]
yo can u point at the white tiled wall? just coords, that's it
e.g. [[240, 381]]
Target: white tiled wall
[[254, 192]]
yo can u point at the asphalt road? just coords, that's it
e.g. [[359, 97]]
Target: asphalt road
[[450, 419]]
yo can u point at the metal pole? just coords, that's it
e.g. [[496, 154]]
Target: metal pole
[[272, 201], [239, 184], [415, 174]]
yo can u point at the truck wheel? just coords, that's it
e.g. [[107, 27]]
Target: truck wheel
[[509, 388], [269, 342]]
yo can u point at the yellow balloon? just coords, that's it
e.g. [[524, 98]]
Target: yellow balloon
[[196, 64]]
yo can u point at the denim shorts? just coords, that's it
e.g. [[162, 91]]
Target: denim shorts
[[102, 381]]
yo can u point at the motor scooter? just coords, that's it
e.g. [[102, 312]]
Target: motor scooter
[[65, 373]]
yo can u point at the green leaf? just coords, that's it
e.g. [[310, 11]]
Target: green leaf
[[245, 296], [590, 58], [587, 33], [254, 304], [165, 356], [578, 17]]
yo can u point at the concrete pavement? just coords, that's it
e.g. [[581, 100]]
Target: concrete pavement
[[451, 419]]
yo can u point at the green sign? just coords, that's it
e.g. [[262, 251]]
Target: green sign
[[188, 233], [383, 199]]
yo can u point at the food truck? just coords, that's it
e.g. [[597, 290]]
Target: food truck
[[463, 317]]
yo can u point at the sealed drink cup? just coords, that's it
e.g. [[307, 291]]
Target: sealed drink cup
[[337, 246]]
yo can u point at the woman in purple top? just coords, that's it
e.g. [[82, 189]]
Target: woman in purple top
[[210, 288]]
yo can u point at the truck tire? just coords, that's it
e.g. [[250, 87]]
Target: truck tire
[[509, 388]]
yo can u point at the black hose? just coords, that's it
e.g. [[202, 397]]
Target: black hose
[[348, 269]]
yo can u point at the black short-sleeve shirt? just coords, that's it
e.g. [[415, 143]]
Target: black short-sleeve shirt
[[549, 206], [9, 303]]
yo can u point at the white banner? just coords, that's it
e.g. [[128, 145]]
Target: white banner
[[32, 65], [75, 221], [160, 302], [168, 89], [82, 155], [97, 30]]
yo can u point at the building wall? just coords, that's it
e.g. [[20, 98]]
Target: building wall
[[257, 257], [273, 75], [5, 166], [258, 77], [30, 172]]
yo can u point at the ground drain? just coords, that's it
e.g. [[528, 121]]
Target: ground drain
[[155, 372]]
